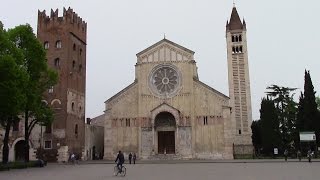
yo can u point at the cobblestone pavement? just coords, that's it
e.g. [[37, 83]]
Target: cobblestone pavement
[[184, 171]]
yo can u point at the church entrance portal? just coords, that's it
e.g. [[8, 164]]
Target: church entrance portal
[[165, 125], [166, 142]]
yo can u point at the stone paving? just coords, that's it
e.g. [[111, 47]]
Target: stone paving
[[252, 170]]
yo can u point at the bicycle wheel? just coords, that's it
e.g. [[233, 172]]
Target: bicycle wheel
[[124, 171], [115, 171]]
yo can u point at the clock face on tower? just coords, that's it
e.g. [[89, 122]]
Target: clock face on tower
[[165, 80]]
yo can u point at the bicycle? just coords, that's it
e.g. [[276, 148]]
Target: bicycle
[[116, 171]]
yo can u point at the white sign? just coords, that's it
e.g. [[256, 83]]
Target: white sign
[[307, 136], [275, 151]]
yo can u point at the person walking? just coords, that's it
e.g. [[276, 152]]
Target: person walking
[[134, 158], [309, 155], [299, 155], [285, 155], [130, 157]]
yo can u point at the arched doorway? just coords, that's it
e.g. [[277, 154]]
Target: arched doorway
[[165, 126], [19, 150]]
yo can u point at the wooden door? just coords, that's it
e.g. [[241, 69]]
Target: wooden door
[[166, 142]]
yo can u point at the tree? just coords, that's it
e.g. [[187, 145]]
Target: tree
[[12, 83], [270, 135], [286, 110], [40, 77], [308, 112], [256, 135]]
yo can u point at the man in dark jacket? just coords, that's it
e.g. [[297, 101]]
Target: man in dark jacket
[[130, 157], [120, 159]]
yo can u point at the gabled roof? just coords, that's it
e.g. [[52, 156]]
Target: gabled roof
[[235, 21], [212, 89], [122, 91], [167, 41]]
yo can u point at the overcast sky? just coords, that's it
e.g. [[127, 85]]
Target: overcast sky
[[283, 39]]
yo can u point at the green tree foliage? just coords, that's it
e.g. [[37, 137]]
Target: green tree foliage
[[270, 134], [40, 78], [12, 82], [256, 136], [286, 111], [308, 115]]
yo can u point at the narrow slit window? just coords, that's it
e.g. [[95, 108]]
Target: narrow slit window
[[57, 62]]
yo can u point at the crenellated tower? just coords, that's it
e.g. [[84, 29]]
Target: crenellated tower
[[64, 39], [239, 81]]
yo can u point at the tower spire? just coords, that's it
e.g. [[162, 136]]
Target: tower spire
[[235, 21]]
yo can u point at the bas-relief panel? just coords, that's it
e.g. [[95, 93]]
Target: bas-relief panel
[[146, 141], [184, 144]]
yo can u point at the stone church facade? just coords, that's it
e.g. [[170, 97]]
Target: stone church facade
[[168, 111]]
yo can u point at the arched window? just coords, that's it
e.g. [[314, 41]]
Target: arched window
[[240, 38], [74, 47], [237, 49], [76, 129], [232, 38], [233, 50], [237, 40], [58, 44], [57, 62], [46, 45], [240, 49], [73, 64], [72, 106]]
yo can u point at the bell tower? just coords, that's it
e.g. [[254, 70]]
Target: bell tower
[[239, 81], [64, 38]]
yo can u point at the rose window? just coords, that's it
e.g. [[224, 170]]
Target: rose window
[[164, 80]]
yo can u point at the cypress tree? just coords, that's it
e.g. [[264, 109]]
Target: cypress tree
[[270, 134], [256, 135], [310, 112]]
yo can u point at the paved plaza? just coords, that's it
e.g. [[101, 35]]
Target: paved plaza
[[276, 170]]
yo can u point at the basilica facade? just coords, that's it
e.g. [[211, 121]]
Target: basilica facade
[[168, 112]]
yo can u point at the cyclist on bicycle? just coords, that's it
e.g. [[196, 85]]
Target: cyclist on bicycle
[[120, 159]]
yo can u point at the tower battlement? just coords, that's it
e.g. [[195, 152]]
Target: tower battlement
[[69, 20]]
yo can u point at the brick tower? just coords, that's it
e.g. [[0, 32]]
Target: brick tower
[[239, 81], [64, 39]]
